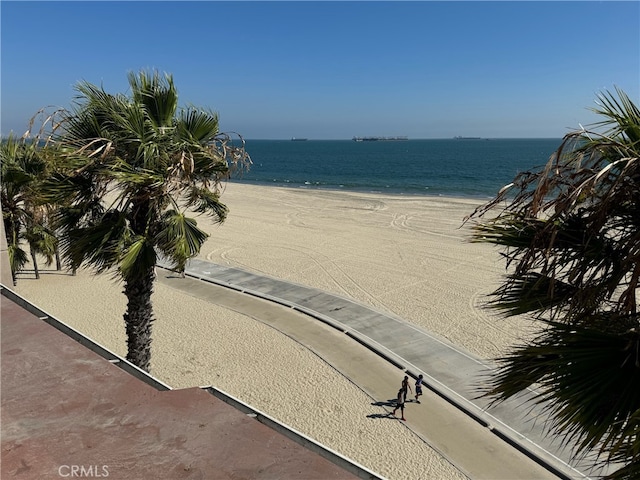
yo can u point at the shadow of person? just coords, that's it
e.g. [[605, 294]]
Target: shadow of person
[[381, 415], [388, 403]]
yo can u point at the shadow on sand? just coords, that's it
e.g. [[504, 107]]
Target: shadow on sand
[[387, 415], [388, 403]]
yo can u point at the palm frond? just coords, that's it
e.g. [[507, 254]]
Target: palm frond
[[138, 258], [627, 448], [99, 243], [197, 126], [621, 116], [179, 238], [18, 258], [209, 167], [158, 96], [530, 293], [203, 200], [134, 178], [589, 378], [14, 178], [508, 231], [43, 241], [631, 471]]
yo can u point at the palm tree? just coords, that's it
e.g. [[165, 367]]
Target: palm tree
[[23, 168], [129, 169], [571, 238]]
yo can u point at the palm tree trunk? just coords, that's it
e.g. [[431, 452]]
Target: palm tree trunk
[[35, 261], [138, 319], [58, 262], [11, 232]]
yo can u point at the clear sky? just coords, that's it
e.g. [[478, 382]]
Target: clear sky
[[334, 70]]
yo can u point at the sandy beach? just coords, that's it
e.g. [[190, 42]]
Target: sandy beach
[[406, 255]]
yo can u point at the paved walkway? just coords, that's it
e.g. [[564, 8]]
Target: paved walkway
[[480, 443]]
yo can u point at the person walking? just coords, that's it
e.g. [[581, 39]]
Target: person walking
[[400, 403], [419, 387], [406, 386]]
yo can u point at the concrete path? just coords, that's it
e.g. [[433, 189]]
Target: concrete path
[[480, 441]]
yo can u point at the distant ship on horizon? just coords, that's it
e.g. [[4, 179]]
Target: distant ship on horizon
[[297, 139], [467, 138], [379, 139]]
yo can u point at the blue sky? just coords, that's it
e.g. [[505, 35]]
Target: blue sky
[[333, 70]]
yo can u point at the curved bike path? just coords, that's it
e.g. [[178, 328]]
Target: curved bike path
[[507, 441]]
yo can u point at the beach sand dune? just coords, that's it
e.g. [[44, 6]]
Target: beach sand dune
[[401, 254]]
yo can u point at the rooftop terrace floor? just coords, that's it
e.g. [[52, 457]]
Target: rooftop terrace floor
[[67, 411]]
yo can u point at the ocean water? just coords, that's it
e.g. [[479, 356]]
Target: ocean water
[[464, 168]]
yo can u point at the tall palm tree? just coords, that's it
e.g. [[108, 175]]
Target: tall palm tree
[[571, 238], [130, 167]]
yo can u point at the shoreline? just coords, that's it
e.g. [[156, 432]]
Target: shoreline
[[480, 199]]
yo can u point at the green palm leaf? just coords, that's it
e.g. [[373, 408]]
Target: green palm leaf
[[622, 116], [157, 95], [18, 258], [203, 200], [509, 231], [180, 238], [137, 258], [43, 240], [99, 243], [197, 126], [588, 377], [531, 293]]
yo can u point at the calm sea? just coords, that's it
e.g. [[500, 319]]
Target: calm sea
[[467, 168]]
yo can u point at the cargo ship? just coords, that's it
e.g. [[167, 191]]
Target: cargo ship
[[379, 139]]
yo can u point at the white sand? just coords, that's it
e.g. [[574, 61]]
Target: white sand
[[402, 254], [406, 255]]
